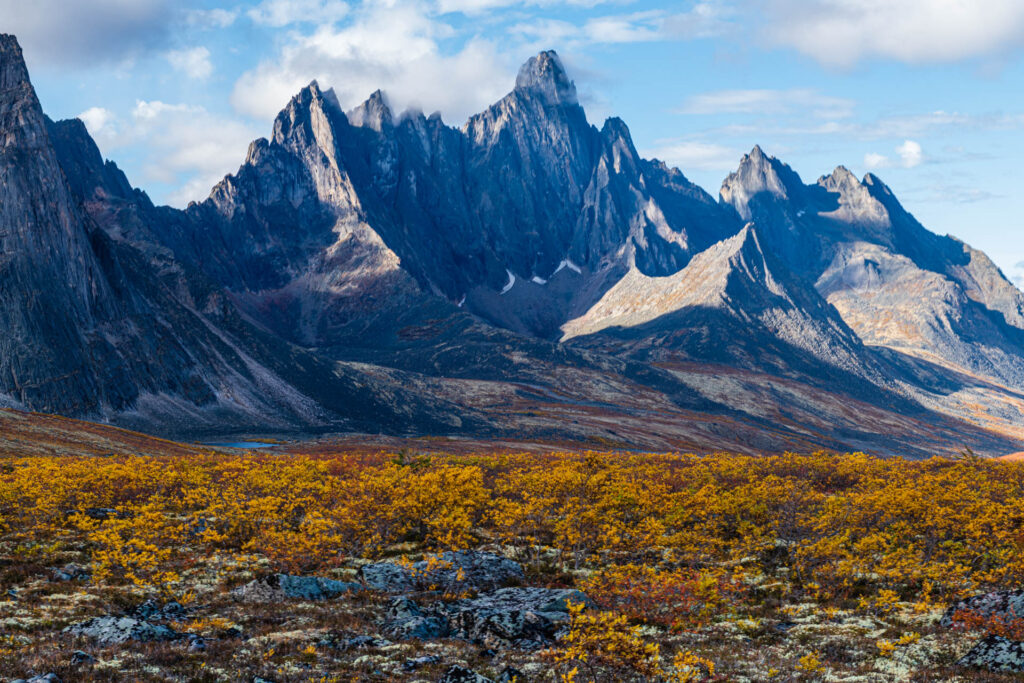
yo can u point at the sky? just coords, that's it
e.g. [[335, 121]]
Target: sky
[[926, 94]]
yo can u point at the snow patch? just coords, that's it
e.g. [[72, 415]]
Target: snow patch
[[461, 301], [800, 213], [511, 281], [539, 280], [568, 264]]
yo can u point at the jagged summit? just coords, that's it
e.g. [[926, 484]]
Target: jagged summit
[[545, 75], [13, 72], [759, 174], [374, 113]]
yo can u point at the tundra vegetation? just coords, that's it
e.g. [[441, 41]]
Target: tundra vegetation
[[695, 568]]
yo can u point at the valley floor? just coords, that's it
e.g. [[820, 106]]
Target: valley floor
[[154, 561]]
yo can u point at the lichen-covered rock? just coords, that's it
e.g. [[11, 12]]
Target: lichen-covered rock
[[406, 619], [450, 570], [995, 653], [1005, 605], [524, 618], [278, 586], [352, 642], [113, 630], [460, 674]]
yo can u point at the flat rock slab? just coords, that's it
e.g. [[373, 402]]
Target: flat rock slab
[[450, 570], [1007, 605], [278, 586], [995, 653], [114, 630]]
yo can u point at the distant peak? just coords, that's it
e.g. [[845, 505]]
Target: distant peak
[[545, 75], [373, 113]]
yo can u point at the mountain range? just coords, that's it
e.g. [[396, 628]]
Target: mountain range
[[525, 276]]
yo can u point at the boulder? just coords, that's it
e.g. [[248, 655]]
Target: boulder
[[114, 630], [406, 619], [278, 586], [523, 618], [349, 642], [417, 662], [460, 674], [79, 658], [451, 570], [71, 572], [1005, 605], [995, 653], [151, 609]]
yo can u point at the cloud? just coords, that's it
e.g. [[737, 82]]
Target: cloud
[[194, 62], [761, 102], [910, 154], [844, 32], [396, 47], [692, 154], [704, 20], [59, 32], [97, 120], [278, 13], [873, 160], [183, 145]]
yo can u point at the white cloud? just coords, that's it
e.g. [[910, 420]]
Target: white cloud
[[395, 47], [702, 21], [873, 160], [844, 32], [692, 154], [279, 13], [910, 154], [98, 121], [182, 145], [194, 62], [77, 33], [800, 100]]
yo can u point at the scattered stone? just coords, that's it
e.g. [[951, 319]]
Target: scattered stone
[[1008, 605], [510, 674], [258, 679], [995, 653], [78, 658], [417, 662], [460, 674], [450, 570], [151, 609], [47, 678], [196, 643], [71, 572], [277, 586], [113, 630], [406, 619], [346, 643], [101, 514]]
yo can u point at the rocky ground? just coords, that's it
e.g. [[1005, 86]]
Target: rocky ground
[[465, 616]]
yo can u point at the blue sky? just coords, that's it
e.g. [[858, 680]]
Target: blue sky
[[925, 93]]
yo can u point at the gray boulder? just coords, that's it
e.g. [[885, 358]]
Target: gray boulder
[[523, 618], [995, 653], [1006, 605], [460, 674], [406, 619], [278, 586], [459, 570], [114, 630]]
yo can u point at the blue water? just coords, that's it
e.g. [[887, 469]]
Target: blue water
[[240, 444]]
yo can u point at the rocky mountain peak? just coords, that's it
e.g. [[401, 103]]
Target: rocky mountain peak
[[373, 113], [545, 76], [759, 174], [13, 72]]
